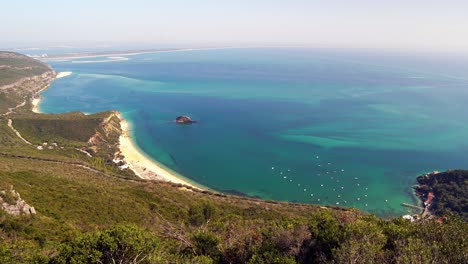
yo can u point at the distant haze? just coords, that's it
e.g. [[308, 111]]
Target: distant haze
[[423, 25]]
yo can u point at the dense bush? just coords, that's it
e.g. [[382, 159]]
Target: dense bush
[[121, 244], [201, 213], [206, 243]]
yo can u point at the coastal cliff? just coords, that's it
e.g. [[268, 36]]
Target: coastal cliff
[[20, 79], [106, 136]]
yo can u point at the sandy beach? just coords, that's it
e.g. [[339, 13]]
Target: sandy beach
[[37, 99], [142, 165], [35, 104], [63, 74]]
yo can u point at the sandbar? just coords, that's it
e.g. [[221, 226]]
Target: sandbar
[[63, 74]]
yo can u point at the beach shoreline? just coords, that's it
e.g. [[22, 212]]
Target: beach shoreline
[[143, 166], [37, 97], [63, 74]]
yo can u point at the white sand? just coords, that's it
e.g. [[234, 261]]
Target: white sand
[[63, 74], [143, 166], [35, 105], [36, 100]]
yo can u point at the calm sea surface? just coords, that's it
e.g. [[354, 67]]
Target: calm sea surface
[[314, 126]]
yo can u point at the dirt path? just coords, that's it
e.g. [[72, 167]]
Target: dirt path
[[71, 163], [10, 124], [12, 109]]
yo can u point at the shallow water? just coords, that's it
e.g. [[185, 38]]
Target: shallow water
[[301, 125]]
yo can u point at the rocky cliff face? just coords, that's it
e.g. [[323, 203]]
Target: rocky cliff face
[[107, 135], [12, 203], [108, 130], [33, 83]]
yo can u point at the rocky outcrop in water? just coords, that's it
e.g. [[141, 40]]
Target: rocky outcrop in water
[[184, 120]]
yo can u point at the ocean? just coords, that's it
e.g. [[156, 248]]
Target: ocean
[[329, 127]]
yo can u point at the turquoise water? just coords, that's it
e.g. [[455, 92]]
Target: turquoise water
[[314, 126]]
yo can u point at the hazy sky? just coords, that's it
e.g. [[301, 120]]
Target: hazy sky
[[427, 25]]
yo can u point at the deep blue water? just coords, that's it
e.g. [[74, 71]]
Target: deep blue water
[[315, 126]]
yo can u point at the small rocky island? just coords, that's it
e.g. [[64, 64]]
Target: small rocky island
[[184, 120]]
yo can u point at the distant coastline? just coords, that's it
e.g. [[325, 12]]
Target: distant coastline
[[109, 59], [84, 55]]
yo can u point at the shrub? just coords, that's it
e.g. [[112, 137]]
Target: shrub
[[201, 212], [121, 244], [206, 243]]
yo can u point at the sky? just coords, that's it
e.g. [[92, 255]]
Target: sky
[[427, 25]]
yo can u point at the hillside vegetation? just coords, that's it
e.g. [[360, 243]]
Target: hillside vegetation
[[76, 205], [450, 191], [90, 211], [14, 66], [20, 78], [97, 133]]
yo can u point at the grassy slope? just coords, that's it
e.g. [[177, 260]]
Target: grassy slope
[[84, 199], [71, 129]]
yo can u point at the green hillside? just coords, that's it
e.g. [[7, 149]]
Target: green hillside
[[15, 66], [90, 211], [19, 79]]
